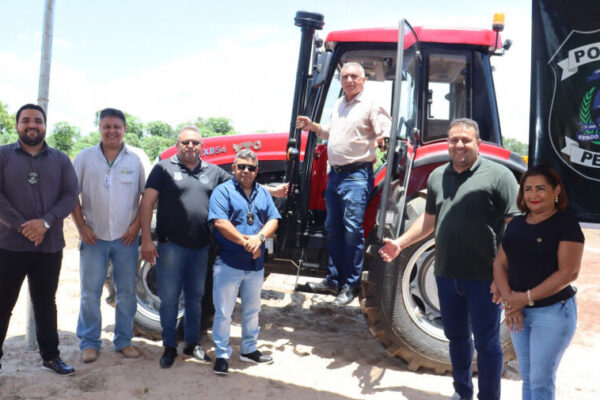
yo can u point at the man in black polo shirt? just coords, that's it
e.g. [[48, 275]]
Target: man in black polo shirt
[[469, 200], [182, 185]]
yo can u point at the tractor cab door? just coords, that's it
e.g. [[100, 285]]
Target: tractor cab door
[[404, 134]]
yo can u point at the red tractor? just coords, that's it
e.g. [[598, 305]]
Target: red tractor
[[427, 77]]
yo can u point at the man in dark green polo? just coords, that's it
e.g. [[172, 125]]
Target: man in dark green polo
[[469, 200]]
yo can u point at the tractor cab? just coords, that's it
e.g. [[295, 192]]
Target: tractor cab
[[445, 74]]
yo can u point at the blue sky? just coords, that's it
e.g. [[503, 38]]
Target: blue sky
[[177, 60]]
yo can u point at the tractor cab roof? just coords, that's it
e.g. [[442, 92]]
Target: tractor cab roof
[[474, 37]]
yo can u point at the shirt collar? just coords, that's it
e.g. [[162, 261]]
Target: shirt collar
[[20, 148], [471, 169], [175, 160], [356, 98], [239, 187]]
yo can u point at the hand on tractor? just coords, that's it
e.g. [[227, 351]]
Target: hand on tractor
[[279, 190], [390, 249]]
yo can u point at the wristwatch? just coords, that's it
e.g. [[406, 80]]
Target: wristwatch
[[262, 237], [529, 299]]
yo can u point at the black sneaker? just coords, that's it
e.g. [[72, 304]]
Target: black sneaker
[[346, 295], [168, 357], [323, 287], [59, 366], [256, 357], [221, 366], [194, 350]]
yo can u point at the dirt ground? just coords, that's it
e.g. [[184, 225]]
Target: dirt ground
[[320, 352]]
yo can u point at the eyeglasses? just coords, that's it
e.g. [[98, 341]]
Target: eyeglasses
[[186, 142], [242, 167]]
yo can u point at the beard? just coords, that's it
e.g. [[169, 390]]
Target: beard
[[32, 141]]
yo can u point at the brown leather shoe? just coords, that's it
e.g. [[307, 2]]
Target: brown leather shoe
[[130, 352], [89, 355]]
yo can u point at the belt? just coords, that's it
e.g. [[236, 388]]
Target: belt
[[163, 239], [341, 169]]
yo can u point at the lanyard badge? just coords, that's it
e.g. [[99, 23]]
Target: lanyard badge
[[32, 178], [107, 180]]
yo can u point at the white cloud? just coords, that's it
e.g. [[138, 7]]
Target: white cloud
[[252, 85], [19, 82]]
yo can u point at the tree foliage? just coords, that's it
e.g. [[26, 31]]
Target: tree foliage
[[153, 137], [134, 125], [161, 129], [213, 126], [515, 146], [85, 141], [8, 133], [154, 145], [64, 136]]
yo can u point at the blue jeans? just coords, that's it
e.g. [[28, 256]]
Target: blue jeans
[[346, 198], [227, 281], [540, 346], [467, 309], [93, 263], [179, 268]]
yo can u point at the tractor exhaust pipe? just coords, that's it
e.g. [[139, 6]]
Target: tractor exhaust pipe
[[308, 23]]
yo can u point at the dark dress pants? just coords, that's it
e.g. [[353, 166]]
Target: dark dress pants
[[42, 271]]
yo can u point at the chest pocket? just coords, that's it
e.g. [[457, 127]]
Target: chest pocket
[[127, 174]]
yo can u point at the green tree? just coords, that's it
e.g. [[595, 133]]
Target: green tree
[[160, 128], [85, 141], [213, 126], [154, 145], [134, 125], [220, 126], [132, 139], [8, 133], [64, 136], [515, 146]]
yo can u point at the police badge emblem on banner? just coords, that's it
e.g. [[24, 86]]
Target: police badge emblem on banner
[[574, 120]]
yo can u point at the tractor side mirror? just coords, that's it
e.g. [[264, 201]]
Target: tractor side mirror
[[320, 68]]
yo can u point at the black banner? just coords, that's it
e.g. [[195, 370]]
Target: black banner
[[565, 99]]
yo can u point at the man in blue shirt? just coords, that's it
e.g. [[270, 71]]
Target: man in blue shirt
[[244, 215]]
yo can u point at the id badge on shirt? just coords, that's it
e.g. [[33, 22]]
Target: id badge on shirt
[[107, 180]]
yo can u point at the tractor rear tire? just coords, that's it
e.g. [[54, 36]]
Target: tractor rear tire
[[400, 303]]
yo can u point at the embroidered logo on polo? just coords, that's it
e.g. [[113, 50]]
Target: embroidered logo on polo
[[177, 175], [574, 119]]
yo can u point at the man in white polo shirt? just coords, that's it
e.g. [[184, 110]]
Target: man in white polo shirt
[[111, 176]]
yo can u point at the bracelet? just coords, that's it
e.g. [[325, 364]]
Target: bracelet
[[529, 299]]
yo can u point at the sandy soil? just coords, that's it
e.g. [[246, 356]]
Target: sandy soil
[[320, 352]]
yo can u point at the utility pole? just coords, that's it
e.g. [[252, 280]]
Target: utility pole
[[43, 89]]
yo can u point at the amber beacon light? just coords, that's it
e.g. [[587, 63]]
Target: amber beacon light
[[498, 24]]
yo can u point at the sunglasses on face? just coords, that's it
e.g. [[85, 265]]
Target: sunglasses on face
[[242, 167], [186, 142]]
